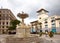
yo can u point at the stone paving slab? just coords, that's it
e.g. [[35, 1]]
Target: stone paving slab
[[24, 40]]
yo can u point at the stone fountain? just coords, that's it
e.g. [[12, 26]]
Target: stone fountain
[[22, 28]]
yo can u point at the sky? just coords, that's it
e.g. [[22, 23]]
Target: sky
[[31, 7]]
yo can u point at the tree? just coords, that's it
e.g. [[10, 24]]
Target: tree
[[51, 34], [13, 24], [12, 28]]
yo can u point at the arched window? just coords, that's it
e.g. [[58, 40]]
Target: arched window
[[46, 22], [52, 20]]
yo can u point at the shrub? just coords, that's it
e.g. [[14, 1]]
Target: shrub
[[40, 33], [50, 34]]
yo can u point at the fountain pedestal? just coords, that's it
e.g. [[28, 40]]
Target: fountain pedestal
[[21, 32], [22, 29]]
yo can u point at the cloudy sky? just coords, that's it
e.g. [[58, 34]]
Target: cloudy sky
[[31, 6]]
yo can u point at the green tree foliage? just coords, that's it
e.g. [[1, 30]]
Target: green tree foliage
[[51, 34], [12, 28], [13, 24]]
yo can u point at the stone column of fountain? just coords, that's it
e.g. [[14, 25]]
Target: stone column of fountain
[[22, 28]]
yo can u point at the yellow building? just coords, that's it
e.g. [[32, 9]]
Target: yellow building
[[48, 23]]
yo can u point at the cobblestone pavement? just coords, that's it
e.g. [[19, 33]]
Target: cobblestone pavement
[[3, 38], [12, 39], [54, 39], [43, 39], [24, 40]]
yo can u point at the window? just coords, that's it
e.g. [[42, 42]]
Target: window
[[6, 26], [2, 26], [0, 23], [46, 30], [46, 22], [7, 23], [53, 28], [0, 11], [52, 20], [53, 25], [59, 24], [0, 18], [3, 23], [0, 15], [46, 26]]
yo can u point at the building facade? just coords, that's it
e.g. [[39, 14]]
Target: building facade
[[36, 27], [48, 23], [5, 17]]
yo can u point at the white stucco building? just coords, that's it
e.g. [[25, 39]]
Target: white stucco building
[[48, 23]]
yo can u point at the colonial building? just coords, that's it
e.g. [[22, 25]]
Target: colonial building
[[35, 27], [5, 17], [46, 22]]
